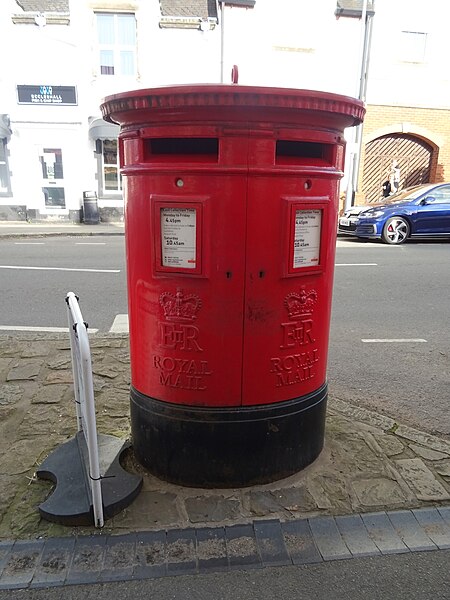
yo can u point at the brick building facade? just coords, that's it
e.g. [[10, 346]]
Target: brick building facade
[[408, 128]]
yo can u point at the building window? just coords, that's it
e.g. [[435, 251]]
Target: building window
[[5, 184], [413, 45], [51, 163], [111, 179], [116, 34], [52, 174], [54, 197]]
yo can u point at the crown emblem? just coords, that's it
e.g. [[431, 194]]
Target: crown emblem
[[178, 307], [300, 305]]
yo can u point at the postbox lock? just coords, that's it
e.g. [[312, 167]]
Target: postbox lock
[[308, 184], [179, 183]]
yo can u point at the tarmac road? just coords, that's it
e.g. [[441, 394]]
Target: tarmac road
[[390, 331], [37, 273], [381, 292]]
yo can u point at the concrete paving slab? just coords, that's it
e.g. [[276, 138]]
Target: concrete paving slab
[[5, 549], [181, 552], [328, 539], [434, 525], [421, 479], [241, 546], [356, 536], [300, 543], [214, 508], [120, 558], [444, 511], [410, 532], [270, 543], [212, 549], [383, 533], [151, 559], [54, 563], [87, 562], [21, 564]]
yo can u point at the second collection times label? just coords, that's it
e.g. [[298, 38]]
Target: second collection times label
[[178, 237], [307, 238]]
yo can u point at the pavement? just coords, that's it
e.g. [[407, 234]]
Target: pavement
[[378, 487], [13, 229]]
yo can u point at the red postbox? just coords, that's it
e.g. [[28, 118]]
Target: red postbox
[[231, 199]]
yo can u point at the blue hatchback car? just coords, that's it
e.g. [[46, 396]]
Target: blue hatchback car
[[420, 211]]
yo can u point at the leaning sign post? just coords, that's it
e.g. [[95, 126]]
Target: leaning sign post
[[84, 399], [82, 493]]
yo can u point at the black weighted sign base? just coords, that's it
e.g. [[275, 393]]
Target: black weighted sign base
[[70, 503]]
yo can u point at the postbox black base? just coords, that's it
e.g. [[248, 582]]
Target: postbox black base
[[227, 447]]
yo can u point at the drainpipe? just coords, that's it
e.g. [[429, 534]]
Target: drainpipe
[[355, 156], [222, 38]]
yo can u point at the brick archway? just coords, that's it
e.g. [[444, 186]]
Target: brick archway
[[413, 154]]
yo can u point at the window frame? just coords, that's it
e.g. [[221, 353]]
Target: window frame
[[441, 196], [116, 48], [103, 191], [410, 39]]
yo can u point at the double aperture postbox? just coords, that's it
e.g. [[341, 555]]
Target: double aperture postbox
[[231, 199]]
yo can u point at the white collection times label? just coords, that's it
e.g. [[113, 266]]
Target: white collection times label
[[178, 237], [308, 225]]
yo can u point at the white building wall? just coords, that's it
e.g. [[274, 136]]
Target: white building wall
[[180, 56], [46, 56], [293, 43], [395, 77], [287, 43]]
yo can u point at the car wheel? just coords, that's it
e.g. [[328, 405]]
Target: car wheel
[[395, 231]]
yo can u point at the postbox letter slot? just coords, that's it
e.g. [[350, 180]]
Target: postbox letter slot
[[292, 152], [195, 149]]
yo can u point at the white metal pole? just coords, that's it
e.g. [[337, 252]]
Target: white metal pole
[[222, 39], [362, 46], [75, 370], [362, 93], [91, 425], [82, 363]]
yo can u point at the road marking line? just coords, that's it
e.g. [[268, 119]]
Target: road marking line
[[393, 340], [29, 243], [61, 269], [356, 265], [361, 245], [40, 329], [120, 324], [90, 243]]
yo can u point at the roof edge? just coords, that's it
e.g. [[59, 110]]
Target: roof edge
[[29, 18], [188, 23]]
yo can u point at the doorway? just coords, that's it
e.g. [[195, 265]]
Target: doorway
[[412, 154]]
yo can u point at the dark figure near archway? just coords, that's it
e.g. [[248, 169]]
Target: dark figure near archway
[[386, 188]]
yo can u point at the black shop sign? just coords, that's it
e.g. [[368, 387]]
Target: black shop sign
[[47, 94]]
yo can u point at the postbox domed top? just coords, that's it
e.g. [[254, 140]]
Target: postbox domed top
[[235, 103]]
